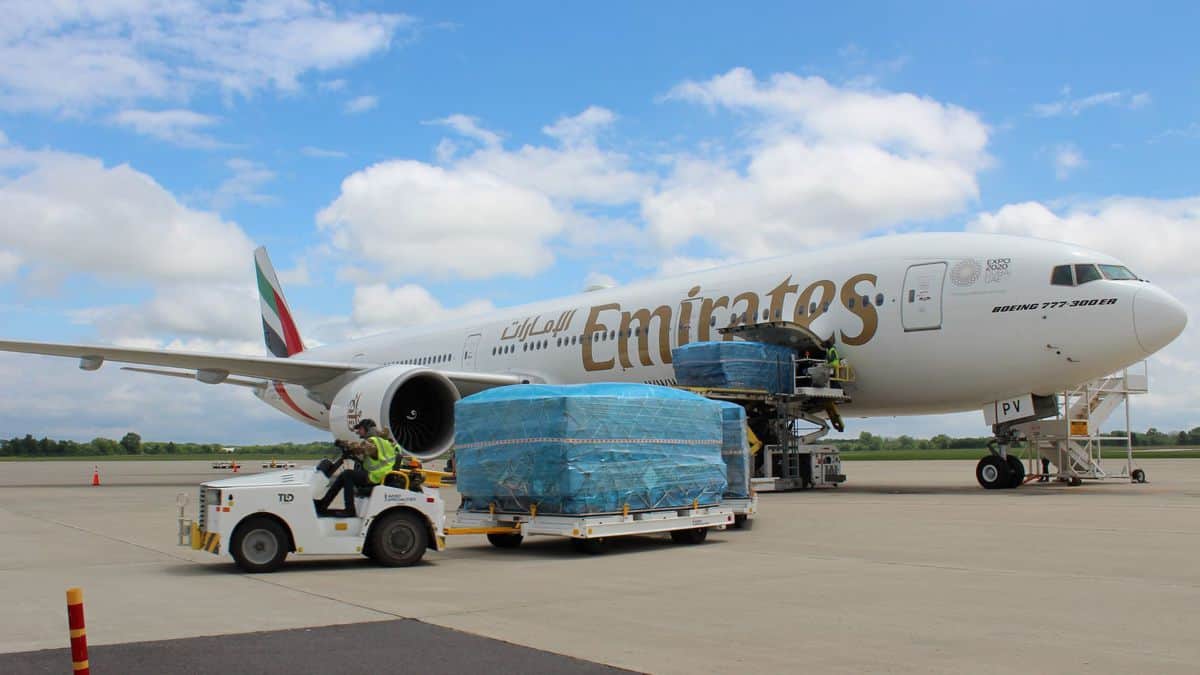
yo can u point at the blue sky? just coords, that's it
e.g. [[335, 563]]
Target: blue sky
[[416, 161]]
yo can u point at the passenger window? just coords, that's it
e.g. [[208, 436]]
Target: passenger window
[[850, 303], [1086, 273], [879, 300], [912, 295]]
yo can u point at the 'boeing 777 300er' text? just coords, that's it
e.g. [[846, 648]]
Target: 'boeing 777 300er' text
[[933, 323]]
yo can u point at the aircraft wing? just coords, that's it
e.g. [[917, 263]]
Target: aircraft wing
[[216, 368]]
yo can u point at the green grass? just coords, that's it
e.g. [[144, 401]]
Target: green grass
[[205, 457], [969, 453]]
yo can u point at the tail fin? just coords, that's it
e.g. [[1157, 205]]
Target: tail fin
[[279, 331]]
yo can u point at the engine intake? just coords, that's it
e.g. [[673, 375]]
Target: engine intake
[[416, 405]]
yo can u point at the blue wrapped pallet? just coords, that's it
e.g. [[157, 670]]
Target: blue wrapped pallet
[[588, 449], [735, 365], [735, 450]]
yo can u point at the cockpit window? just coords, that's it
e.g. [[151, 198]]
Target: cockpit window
[[1118, 273], [1086, 273], [1062, 276]]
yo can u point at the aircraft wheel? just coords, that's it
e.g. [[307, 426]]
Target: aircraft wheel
[[992, 473], [399, 539], [259, 545], [505, 540], [1138, 476], [1017, 468], [695, 535], [593, 546]]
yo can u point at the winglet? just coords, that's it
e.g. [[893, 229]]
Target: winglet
[[279, 331]]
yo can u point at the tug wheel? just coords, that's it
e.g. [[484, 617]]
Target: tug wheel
[[259, 545], [398, 539], [1138, 476]]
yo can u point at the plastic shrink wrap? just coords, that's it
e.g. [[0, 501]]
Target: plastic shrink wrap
[[735, 365], [585, 449], [735, 450]]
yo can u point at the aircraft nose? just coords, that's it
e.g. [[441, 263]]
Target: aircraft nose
[[1158, 318]]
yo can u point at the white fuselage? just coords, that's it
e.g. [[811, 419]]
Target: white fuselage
[[949, 323]]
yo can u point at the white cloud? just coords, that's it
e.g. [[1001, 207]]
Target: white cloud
[[379, 307], [1120, 226], [492, 212], [321, 153], [72, 214], [200, 317], [1071, 107], [361, 104], [243, 186], [598, 280], [677, 265], [1067, 158], [827, 163], [469, 127], [180, 127], [10, 264], [72, 56], [406, 217], [332, 85], [582, 128]]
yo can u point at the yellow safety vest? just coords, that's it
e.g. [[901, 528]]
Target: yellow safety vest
[[378, 469]]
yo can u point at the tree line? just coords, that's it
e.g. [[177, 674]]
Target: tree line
[[867, 441], [132, 444]]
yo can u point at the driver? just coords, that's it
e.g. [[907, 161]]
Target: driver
[[377, 455]]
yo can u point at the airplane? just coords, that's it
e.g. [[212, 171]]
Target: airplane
[[933, 323]]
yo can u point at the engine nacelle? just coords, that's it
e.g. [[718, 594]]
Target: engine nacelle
[[415, 404]]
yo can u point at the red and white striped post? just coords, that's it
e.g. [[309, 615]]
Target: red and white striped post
[[79, 655]]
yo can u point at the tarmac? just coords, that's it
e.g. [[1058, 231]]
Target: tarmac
[[909, 567]]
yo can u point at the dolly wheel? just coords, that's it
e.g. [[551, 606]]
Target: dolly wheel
[[592, 546], [500, 540], [695, 535], [1138, 476], [742, 522]]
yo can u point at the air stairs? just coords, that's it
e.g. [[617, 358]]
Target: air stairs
[[1073, 442]]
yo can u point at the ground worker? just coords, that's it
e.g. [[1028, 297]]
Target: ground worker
[[831, 354], [378, 457]]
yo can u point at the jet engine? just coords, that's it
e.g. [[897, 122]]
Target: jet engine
[[415, 404]]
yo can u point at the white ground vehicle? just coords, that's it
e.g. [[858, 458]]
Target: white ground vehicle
[[259, 519]]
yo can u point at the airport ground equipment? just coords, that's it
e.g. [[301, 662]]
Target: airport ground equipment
[[1065, 429], [259, 519], [789, 423], [1072, 441]]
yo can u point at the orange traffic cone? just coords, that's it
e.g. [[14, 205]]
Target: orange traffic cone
[[96, 474], [235, 466]]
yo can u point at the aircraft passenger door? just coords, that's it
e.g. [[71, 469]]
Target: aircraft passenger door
[[921, 305], [469, 351]]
